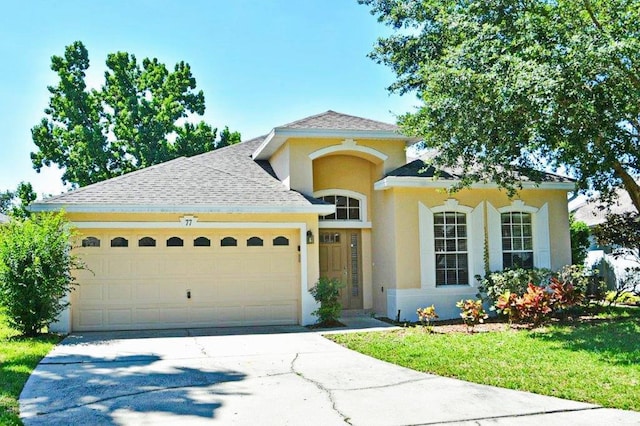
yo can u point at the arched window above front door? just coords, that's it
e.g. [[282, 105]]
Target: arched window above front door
[[350, 206], [347, 208]]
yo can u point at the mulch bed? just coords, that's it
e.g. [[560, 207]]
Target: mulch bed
[[493, 324], [326, 324]]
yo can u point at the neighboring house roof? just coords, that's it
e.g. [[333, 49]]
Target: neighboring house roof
[[594, 212], [329, 124], [4, 218], [223, 180], [417, 173]]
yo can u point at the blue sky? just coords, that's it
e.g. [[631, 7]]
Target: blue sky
[[260, 63]]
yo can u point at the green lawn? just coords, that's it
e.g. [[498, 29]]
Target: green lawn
[[596, 362], [18, 357]]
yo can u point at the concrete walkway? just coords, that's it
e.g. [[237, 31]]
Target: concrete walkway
[[266, 376]]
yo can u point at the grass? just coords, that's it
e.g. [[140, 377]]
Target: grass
[[597, 361], [18, 357]]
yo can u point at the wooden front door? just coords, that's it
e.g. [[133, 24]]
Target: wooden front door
[[340, 258]]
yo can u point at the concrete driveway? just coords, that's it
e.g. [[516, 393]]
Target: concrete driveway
[[265, 376]]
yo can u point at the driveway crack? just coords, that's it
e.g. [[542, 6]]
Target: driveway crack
[[390, 385], [320, 386], [203, 351]]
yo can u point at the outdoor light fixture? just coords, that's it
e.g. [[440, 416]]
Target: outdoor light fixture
[[309, 237]]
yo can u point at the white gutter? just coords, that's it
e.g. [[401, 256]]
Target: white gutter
[[421, 182], [322, 209]]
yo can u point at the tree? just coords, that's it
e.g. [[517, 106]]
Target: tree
[[139, 117], [579, 232], [16, 202], [35, 270], [622, 232], [509, 87]]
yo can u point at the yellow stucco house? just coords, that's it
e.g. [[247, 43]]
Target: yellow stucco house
[[236, 236]]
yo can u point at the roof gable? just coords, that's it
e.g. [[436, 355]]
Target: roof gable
[[329, 124]]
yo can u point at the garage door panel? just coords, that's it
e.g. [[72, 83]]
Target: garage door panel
[[230, 263], [90, 318], [146, 292], [89, 292], [146, 316], [147, 265], [146, 287], [119, 291], [118, 317], [174, 315], [202, 314], [117, 266]]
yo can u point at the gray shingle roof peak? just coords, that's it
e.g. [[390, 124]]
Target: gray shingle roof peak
[[226, 177], [338, 121]]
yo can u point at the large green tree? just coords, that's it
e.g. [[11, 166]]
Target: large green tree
[[16, 202], [513, 86], [138, 118]]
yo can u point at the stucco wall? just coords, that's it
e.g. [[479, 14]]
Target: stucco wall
[[408, 290], [300, 172]]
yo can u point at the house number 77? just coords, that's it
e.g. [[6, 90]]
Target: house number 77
[[188, 222]]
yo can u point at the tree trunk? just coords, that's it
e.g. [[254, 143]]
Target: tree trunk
[[630, 185]]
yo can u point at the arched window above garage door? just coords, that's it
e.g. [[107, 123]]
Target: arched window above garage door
[[175, 242], [146, 242], [280, 241], [119, 242], [202, 242], [255, 242], [91, 242], [229, 242]]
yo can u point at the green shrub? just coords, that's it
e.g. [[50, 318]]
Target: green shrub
[[35, 270], [579, 232], [472, 312], [512, 280], [624, 298], [327, 293]]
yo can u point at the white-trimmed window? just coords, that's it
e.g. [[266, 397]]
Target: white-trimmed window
[[517, 240], [518, 236], [347, 208], [351, 206], [451, 248], [451, 244]]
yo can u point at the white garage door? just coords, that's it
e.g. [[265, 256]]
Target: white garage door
[[149, 279]]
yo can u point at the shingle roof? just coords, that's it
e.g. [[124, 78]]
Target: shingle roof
[[594, 212], [227, 177], [418, 168], [338, 121]]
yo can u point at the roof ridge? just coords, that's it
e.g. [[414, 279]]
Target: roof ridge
[[330, 111], [113, 179], [307, 118], [226, 148]]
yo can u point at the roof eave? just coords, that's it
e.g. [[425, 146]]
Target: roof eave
[[424, 182], [279, 135], [322, 209]]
